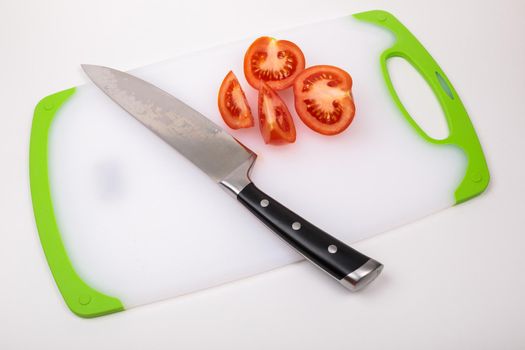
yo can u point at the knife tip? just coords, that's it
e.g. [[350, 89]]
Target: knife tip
[[87, 67]]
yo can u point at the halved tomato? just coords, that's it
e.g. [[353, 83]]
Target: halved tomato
[[233, 105], [323, 99], [275, 121], [275, 62]]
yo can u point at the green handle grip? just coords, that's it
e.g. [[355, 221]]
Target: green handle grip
[[462, 133]]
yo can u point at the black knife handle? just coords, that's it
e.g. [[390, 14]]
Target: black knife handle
[[353, 269]]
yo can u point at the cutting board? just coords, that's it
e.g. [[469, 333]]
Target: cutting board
[[125, 220]]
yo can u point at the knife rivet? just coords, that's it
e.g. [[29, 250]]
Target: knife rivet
[[265, 203], [296, 226], [332, 249]]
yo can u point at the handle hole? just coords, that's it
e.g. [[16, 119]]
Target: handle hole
[[418, 98]]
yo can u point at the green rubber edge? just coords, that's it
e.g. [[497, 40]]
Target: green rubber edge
[[83, 300], [462, 133]]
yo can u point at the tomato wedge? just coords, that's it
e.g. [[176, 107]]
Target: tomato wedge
[[233, 106], [275, 62], [275, 121], [323, 99]]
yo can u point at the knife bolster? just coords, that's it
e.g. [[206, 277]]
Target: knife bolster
[[238, 179]]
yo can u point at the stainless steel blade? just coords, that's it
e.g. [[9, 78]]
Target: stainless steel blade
[[196, 137]]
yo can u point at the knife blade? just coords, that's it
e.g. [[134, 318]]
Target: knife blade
[[228, 162]]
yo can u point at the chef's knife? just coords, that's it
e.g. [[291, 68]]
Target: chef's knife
[[228, 163]]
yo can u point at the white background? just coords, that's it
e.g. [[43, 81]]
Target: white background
[[454, 280]]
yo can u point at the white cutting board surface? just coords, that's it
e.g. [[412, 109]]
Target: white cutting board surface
[[141, 223]]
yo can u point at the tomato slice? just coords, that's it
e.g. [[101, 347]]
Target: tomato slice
[[275, 121], [233, 106], [323, 99], [275, 62]]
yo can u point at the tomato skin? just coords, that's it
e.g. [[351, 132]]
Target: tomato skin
[[323, 99], [275, 62], [276, 123], [233, 105]]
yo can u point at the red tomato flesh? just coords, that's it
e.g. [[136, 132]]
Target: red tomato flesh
[[275, 121], [323, 99], [233, 106], [272, 61]]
